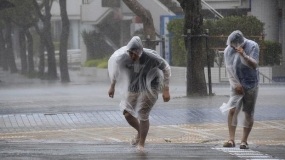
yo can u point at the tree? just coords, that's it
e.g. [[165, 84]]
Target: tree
[[22, 43], [7, 27], [9, 49], [63, 42], [46, 35], [41, 52], [24, 17], [146, 18], [3, 54], [196, 83], [31, 68]]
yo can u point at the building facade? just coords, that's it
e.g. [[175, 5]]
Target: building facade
[[116, 23]]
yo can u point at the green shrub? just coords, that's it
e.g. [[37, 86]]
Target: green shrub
[[272, 53], [92, 63], [32, 75], [99, 63], [96, 45], [177, 42], [56, 45], [248, 25], [103, 65]]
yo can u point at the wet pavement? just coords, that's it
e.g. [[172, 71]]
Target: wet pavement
[[49, 120]]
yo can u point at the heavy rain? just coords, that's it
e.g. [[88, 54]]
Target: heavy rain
[[142, 79]]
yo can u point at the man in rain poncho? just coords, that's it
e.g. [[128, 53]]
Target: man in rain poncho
[[138, 73], [241, 60]]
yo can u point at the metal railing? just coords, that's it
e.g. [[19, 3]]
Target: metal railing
[[211, 9], [264, 77]]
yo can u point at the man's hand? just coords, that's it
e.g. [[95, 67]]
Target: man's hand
[[166, 95], [251, 63], [240, 50], [239, 89], [111, 91]]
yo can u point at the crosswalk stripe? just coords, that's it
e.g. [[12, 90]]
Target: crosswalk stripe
[[247, 154]]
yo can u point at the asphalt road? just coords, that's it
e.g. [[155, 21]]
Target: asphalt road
[[49, 120]]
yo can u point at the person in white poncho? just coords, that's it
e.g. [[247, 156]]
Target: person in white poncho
[[241, 59], [139, 73]]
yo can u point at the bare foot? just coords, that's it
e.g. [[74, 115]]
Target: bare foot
[[135, 140], [140, 148]]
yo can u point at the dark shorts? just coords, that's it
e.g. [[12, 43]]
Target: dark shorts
[[249, 100]]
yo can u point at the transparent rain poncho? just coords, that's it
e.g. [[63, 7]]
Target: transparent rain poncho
[[138, 82], [240, 73]]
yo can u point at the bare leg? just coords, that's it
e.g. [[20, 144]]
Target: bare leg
[[246, 131], [232, 129], [148, 101], [144, 127], [133, 122]]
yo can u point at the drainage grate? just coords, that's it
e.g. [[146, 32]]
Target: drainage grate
[[247, 154]]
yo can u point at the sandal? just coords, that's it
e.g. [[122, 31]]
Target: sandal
[[229, 143], [244, 145], [134, 142]]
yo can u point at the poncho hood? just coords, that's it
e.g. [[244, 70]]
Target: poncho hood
[[135, 45], [236, 39]]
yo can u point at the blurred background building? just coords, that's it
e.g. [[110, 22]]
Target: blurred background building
[[115, 23]]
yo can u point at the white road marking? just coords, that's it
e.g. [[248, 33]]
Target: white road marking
[[248, 154]]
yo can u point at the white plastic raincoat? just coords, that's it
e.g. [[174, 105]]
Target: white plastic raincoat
[[142, 78], [240, 73]]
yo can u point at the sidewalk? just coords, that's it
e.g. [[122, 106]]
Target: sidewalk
[[81, 113]]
